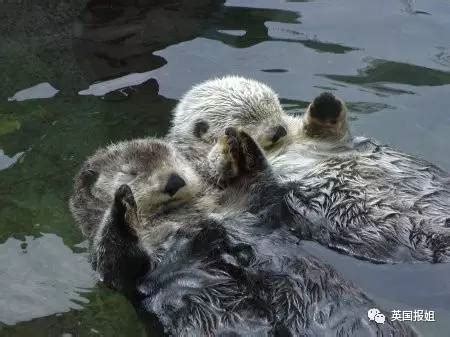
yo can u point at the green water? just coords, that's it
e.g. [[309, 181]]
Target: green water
[[389, 59]]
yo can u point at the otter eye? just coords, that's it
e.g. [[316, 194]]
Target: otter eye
[[200, 128], [129, 170], [277, 132]]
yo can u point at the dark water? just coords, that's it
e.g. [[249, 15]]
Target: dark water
[[389, 59]]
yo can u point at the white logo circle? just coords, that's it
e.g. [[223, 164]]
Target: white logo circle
[[372, 313]]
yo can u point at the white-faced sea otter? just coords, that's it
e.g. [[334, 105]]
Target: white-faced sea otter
[[351, 194]]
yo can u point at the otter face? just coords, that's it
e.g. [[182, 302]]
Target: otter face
[[326, 117], [157, 174], [268, 133], [208, 108]]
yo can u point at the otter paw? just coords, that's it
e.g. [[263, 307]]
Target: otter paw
[[232, 143], [124, 198], [124, 211], [236, 154], [244, 152]]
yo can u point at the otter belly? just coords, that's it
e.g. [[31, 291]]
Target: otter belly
[[372, 202], [242, 278]]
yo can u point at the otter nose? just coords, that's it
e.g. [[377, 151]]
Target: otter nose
[[174, 183], [279, 132]]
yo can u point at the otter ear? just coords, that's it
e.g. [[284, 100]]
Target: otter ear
[[200, 128]]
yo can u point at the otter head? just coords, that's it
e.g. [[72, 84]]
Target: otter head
[[326, 117], [157, 174], [210, 107]]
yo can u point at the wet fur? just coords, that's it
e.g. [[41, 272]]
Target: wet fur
[[236, 272], [144, 166], [242, 275], [353, 195], [372, 202]]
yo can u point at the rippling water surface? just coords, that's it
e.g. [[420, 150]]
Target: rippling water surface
[[77, 75]]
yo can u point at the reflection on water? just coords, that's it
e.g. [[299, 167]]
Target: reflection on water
[[367, 107], [443, 56], [40, 277], [379, 71], [410, 7], [6, 161], [115, 38], [41, 90], [250, 20], [137, 58]]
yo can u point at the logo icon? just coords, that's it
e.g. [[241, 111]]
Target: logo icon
[[375, 315]]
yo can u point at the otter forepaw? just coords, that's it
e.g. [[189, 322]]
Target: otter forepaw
[[236, 154], [233, 144], [125, 208], [124, 198], [245, 154], [254, 159], [88, 177]]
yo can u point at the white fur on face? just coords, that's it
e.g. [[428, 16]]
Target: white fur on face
[[145, 166], [149, 191], [230, 101]]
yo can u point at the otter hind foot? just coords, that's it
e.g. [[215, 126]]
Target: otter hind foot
[[326, 107]]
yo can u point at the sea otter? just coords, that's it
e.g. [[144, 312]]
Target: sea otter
[[192, 272], [232, 101], [358, 197], [162, 180]]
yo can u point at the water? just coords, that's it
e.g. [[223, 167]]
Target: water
[[389, 59]]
